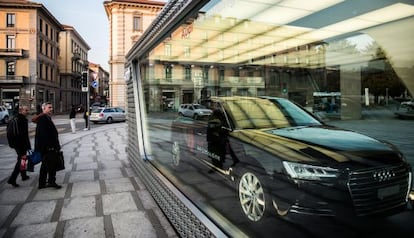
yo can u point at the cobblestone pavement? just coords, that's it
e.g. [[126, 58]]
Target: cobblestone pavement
[[101, 194]]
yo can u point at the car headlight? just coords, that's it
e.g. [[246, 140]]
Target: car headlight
[[309, 172]]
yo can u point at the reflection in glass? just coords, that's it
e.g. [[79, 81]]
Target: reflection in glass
[[274, 76]]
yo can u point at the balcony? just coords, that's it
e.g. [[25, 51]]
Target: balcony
[[12, 79], [76, 56], [6, 52]]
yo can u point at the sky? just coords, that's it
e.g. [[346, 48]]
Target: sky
[[89, 19]]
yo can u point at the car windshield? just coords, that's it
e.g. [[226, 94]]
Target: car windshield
[[260, 113], [197, 106]]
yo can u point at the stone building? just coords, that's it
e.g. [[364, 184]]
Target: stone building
[[128, 19], [29, 52], [40, 58], [73, 61], [99, 81]]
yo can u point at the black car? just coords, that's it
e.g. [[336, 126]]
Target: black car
[[282, 160]]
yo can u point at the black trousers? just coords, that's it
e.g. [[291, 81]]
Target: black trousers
[[86, 122], [47, 169], [16, 171]]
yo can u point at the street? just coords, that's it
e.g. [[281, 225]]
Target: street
[[61, 122]]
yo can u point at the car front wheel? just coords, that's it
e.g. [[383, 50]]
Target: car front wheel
[[252, 197], [6, 120]]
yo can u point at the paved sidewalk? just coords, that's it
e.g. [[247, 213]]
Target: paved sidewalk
[[101, 194]]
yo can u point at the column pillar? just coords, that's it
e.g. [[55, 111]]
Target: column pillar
[[350, 84]]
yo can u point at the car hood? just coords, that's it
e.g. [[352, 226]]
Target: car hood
[[321, 144]]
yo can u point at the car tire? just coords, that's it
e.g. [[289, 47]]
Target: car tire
[[6, 120], [180, 114], [253, 198], [109, 120], [195, 117]]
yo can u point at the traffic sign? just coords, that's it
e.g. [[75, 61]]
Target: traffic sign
[[94, 84]]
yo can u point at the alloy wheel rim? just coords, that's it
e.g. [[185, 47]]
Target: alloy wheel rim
[[251, 195]]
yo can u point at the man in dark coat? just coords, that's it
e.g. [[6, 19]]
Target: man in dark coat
[[47, 143], [72, 118], [218, 141], [86, 117], [22, 146]]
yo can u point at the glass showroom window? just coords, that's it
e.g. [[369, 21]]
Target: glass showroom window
[[256, 144]]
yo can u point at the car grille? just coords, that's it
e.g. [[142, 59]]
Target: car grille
[[379, 190]]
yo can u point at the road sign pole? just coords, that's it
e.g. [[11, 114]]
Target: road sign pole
[[88, 102]]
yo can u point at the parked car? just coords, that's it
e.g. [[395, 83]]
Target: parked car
[[195, 111], [96, 105], [107, 115], [281, 160], [409, 104], [4, 115]]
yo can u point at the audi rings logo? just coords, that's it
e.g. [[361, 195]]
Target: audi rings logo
[[383, 175]]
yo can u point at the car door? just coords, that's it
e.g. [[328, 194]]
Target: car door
[[109, 113], [186, 110], [120, 113], [190, 111]]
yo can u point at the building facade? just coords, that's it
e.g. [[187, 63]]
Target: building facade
[[127, 22], [73, 61], [99, 84], [29, 51]]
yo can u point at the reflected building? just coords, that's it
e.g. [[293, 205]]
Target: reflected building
[[206, 58], [245, 59], [216, 55]]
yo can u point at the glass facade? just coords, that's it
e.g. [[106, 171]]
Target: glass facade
[[244, 104]]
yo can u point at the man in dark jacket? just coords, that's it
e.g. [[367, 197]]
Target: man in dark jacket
[[47, 143], [72, 118], [22, 146]]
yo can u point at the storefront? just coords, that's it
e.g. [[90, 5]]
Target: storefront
[[261, 164], [10, 99]]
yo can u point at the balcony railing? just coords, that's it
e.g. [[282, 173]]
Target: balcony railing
[[6, 52], [12, 79], [76, 56]]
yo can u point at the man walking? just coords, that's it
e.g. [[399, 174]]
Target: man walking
[[47, 143], [23, 144], [72, 118], [86, 117]]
